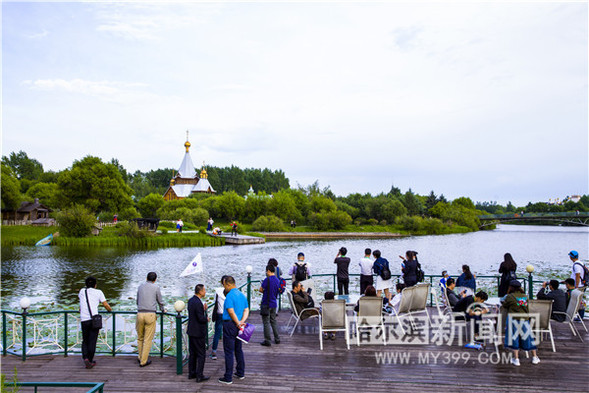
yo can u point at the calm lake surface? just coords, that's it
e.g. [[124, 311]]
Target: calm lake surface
[[52, 276]]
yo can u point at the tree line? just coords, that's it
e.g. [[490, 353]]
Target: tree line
[[106, 188]]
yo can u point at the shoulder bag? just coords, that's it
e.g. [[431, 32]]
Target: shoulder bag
[[96, 319]]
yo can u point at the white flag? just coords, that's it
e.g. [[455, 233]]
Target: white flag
[[195, 266]]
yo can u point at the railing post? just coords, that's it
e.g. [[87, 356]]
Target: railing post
[[530, 286], [4, 329], [431, 297], [114, 333], [162, 336], [333, 276], [24, 335], [65, 343], [179, 344], [249, 290]]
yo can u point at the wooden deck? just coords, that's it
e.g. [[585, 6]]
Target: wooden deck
[[297, 365]]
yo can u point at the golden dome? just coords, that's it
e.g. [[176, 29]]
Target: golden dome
[[187, 146], [203, 174]]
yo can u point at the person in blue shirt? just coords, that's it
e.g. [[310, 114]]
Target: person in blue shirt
[[467, 279], [235, 313], [270, 287], [445, 277]]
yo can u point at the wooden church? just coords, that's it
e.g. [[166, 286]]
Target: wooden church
[[186, 181]]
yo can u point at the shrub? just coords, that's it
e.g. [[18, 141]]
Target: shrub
[[267, 224], [433, 226], [330, 220], [413, 223], [76, 221], [130, 229], [372, 221], [164, 231]]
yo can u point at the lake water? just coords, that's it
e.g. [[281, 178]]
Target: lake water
[[52, 276]]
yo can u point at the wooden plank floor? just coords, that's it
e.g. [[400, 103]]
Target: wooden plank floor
[[297, 365]]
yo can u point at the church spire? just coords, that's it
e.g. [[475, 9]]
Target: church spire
[[187, 144], [203, 173]]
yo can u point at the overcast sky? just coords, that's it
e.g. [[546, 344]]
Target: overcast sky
[[482, 100]]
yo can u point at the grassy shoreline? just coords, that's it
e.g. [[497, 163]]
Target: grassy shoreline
[[27, 235]]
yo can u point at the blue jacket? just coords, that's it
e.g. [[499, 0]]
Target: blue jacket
[[379, 264], [462, 281]]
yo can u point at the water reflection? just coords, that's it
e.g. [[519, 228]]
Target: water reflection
[[55, 275]]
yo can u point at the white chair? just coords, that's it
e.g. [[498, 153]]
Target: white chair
[[448, 316], [543, 310], [370, 316], [333, 318], [572, 311], [420, 292], [297, 316]]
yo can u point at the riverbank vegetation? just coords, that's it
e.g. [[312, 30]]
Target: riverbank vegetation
[[106, 189]]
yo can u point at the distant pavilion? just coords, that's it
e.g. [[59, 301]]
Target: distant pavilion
[[186, 181]]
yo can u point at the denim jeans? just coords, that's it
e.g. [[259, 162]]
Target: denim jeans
[[231, 346], [218, 331]]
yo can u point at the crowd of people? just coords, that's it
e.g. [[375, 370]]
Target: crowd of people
[[231, 309]]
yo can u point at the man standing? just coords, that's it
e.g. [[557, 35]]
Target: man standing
[[300, 270], [234, 229], [578, 271], [270, 287], [343, 276], [197, 334], [148, 297], [366, 278], [235, 313]]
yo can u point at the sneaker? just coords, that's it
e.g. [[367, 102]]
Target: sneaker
[[332, 336], [266, 343], [277, 341], [226, 382], [213, 355], [240, 377], [535, 360], [87, 363], [515, 361]]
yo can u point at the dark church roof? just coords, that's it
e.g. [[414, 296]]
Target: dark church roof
[[30, 206]]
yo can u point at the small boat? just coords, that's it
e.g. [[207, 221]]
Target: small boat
[[45, 241]]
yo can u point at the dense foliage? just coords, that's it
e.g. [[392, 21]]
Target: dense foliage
[[106, 189], [76, 221]]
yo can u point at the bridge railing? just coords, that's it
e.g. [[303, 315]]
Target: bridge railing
[[531, 215]]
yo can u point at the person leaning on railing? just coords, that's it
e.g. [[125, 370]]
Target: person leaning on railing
[[90, 296]]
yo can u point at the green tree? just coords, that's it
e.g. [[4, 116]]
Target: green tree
[[96, 185], [412, 203], [11, 196], [230, 205], [149, 205], [46, 192], [256, 206], [320, 203], [76, 221], [283, 205], [431, 200], [23, 166], [268, 224], [464, 201]]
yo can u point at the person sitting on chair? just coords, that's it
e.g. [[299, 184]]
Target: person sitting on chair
[[558, 297], [453, 298], [302, 299]]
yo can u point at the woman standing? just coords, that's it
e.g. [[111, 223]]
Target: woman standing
[[467, 279], [383, 275], [409, 268], [90, 299], [507, 270], [518, 332]]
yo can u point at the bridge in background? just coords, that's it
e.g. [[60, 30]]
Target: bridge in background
[[580, 218]]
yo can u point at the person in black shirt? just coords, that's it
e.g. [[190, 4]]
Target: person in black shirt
[[471, 306], [558, 297], [343, 277]]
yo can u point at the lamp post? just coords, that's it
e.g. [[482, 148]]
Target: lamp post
[[530, 270], [249, 270], [179, 306], [25, 303]]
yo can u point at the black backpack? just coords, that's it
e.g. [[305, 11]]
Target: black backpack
[[585, 279], [419, 273], [301, 272], [385, 272]]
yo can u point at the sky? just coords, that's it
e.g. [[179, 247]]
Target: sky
[[478, 99]]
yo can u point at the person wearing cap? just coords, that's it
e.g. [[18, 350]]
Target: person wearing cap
[[518, 332], [558, 297], [578, 273]]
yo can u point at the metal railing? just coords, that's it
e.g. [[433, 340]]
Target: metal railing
[[328, 282], [95, 387]]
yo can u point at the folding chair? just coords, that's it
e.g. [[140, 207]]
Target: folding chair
[[297, 316], [369, 316], [572, 311], [333, 318], [543, 308]]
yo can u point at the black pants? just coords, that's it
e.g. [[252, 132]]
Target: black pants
[[196, 358], [342, 286], [89, 338], [365, 281]]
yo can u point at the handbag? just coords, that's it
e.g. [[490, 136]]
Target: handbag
[[96, 319], [245, 333], [264, 310]]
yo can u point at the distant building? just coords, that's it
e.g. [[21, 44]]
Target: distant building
[[187, 181], [33, 213]]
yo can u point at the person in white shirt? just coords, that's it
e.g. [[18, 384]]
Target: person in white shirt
[[90, 296], [578, 271], [218, 317], [366, 278]]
